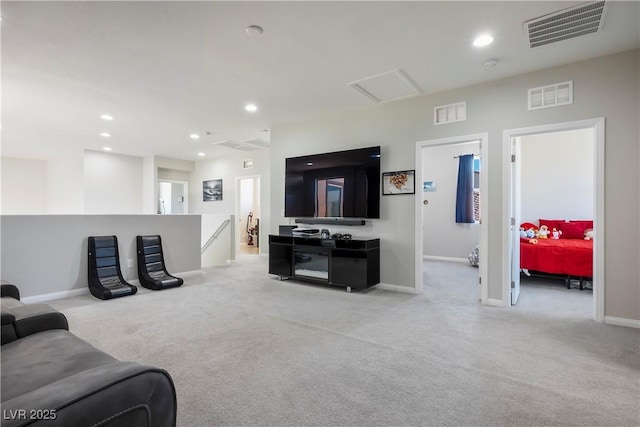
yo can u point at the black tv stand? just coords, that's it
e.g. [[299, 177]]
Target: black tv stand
[[352, 264]]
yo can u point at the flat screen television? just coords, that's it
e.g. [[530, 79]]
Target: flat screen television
[[341, 184]]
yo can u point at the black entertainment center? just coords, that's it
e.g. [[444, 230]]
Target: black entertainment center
[[340, 188], [350, 263]]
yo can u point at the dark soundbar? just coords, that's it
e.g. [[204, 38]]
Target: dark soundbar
[[330, 221]]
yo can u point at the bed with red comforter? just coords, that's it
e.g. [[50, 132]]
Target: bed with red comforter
[[571, 257]]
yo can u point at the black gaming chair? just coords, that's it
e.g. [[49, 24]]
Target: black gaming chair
[[105, 278], [151, 269]]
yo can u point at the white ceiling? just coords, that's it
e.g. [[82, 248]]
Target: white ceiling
[[167, 69]]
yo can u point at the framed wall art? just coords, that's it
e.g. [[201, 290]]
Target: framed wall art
[[399, 182], [212, 190]]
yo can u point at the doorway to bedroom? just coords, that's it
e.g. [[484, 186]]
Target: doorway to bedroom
[[554, 177], [451, 186]]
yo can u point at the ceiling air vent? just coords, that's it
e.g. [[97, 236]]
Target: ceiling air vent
[[450, 113], [257, 143], [254, 144], [566, 24], [550, 96], [228, 144]]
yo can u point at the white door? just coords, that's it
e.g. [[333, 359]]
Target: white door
[[515, 219]]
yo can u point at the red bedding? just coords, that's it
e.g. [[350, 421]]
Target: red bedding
[[573, 257]]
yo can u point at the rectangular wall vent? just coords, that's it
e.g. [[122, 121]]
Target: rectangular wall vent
[[450, 113], [553, 95], [247, 164], [566, 24]]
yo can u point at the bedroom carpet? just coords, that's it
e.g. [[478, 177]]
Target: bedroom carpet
[[246, 349]]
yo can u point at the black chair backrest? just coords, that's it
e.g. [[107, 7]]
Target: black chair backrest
[[151, 247], [104, 259]]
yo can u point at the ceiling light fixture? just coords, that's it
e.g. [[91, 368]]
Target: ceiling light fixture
[[254, 30], [194, 136], [201, 154], [251, 107], [106, 148], [105, 135], [106, 117], [483, 40]]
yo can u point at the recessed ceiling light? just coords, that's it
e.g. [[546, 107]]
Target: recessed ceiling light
[[201, 154], [106, 148], [251, 107], [254, 30], [105, 135], [194, 136], [483, 40], [106, 117]]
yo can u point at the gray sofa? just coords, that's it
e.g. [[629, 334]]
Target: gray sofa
[[51, 377]]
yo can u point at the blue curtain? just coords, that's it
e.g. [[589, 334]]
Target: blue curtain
[[464, 196]]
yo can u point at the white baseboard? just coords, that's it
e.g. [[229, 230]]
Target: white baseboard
[[444, 258], [55, 295], [621, 321], [396, 288], [493, 302]]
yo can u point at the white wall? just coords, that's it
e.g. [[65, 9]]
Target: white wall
[[57, 246], [228, 169], [557, 175], [443, 237], [149, 185], [112, 183], [173, 175], [607, 86], [65, 182], [24, 183]]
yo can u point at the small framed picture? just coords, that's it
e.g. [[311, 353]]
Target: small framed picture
[[212, 190], [429, 186], [400, 182]]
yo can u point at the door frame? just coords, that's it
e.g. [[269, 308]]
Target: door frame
[[598, 126], [174, 181], [484, 208], [257, 190]]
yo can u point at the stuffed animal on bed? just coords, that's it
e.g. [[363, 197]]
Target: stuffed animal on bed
[[523, 233], [555, 233], [531, 233], [588, 234], [543, 233]]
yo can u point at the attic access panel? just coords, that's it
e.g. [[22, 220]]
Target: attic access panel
[[387, 86]]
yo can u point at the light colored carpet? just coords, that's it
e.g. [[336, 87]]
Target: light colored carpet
[[246, 349]]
